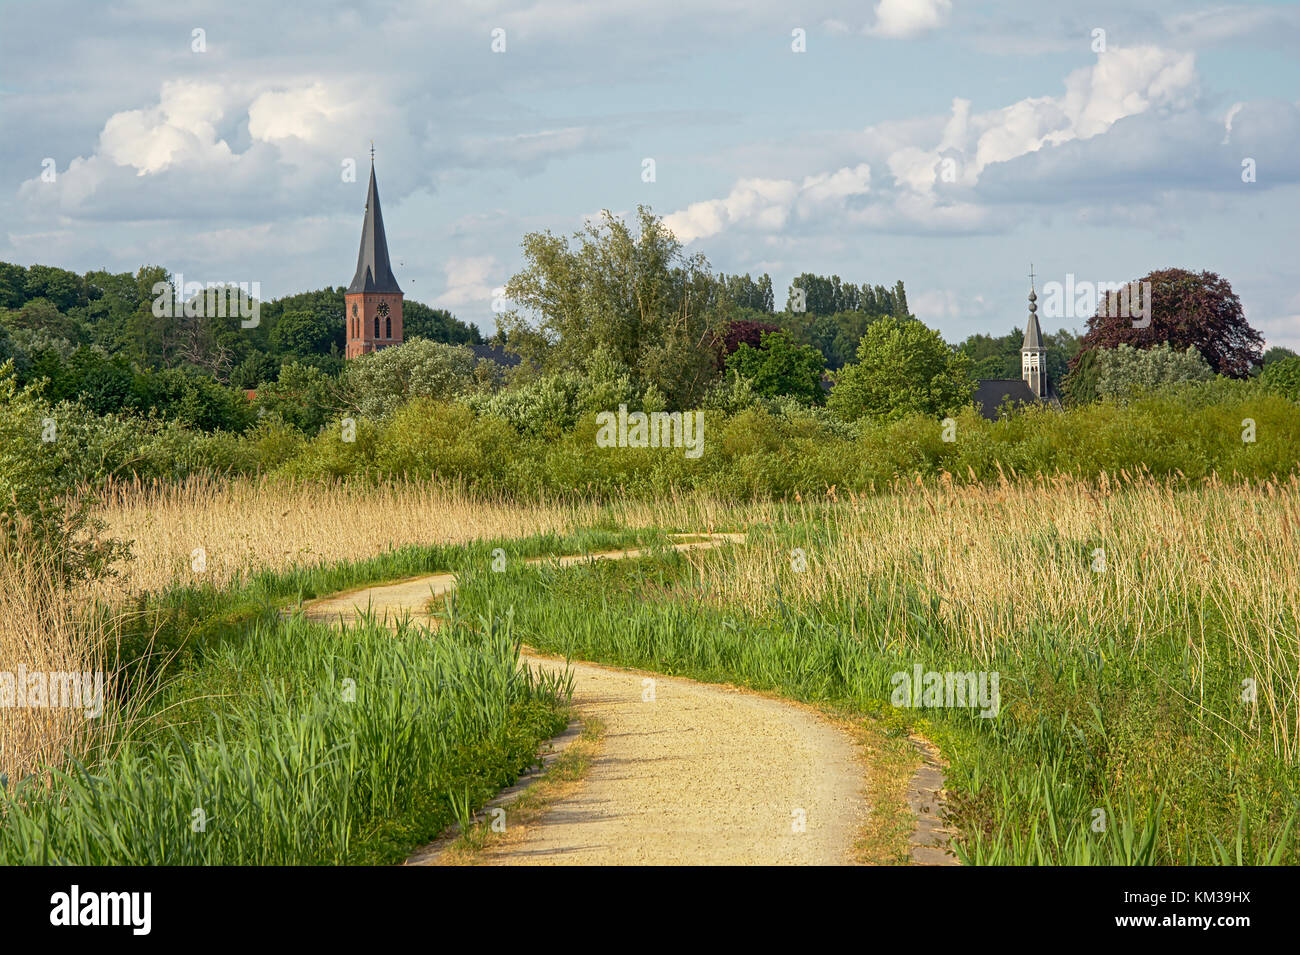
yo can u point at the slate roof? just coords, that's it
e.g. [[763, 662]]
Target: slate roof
[[990, 393], [496, 354], [374, 269]]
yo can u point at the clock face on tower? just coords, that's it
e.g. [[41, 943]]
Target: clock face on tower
[[383, 310]]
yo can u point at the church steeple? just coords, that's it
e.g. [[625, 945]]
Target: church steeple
[[374, 269], [1033, 356], [373, 302]]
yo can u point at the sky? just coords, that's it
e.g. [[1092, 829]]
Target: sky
[[946, 143]]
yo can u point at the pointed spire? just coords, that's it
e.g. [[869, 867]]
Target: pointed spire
[[374, 269], [1033, 334]]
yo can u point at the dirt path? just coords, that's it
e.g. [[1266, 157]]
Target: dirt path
[[688, 772]]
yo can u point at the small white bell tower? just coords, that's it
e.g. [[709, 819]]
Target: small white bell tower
[[1033, 356]]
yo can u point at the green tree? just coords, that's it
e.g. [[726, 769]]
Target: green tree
[[744, 292], [254, 371], [302, 396], [65, 289], [903, 368], [1079, 387], [192, 399], [302, 332], [1277, 353], [633, 295], [42, 315], [150, 332], [13, 285], [114, 298], [780, 367], [836, 335]]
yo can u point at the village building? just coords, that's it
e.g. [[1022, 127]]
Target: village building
[[1034, 386]]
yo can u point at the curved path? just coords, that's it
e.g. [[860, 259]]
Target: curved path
[[687, 772]]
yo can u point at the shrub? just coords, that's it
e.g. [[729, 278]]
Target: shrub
[[38, 500], [302, 396], [1125, 372], [381, 382], [1282, 377], [445, 440]]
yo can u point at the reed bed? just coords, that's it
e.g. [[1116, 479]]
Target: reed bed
[[43, 632], [1213, 568], [246, 525]]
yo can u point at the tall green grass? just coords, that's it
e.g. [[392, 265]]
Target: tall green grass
[[300, 745]]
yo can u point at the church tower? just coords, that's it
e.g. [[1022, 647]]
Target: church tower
[[1033, 356], [373, 304]]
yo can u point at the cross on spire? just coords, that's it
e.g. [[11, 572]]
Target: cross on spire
[[1031, 270], [372, 152]]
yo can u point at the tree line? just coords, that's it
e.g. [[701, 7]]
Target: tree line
[[618, 307]]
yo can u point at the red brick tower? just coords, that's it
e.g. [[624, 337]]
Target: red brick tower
[[373, 309]]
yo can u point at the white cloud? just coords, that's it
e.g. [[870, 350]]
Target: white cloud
[[935, 164], [309, 113], [179, 130], [1227, 121], [1228, 22], [470, 281], [906, 18], [298, 136], [768, 204], [754, 200]]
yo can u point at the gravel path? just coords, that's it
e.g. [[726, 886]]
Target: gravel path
[[687, 773]]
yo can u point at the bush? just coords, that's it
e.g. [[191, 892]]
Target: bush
[[1125, 372], [301, 395], [445, 440], [1282, 377], [379, 383], [38, 499], [550, 404]]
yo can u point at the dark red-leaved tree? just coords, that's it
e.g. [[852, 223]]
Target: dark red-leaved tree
[[1186, 309], [741, 332]]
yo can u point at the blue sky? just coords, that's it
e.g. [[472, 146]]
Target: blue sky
[[942, 142]]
